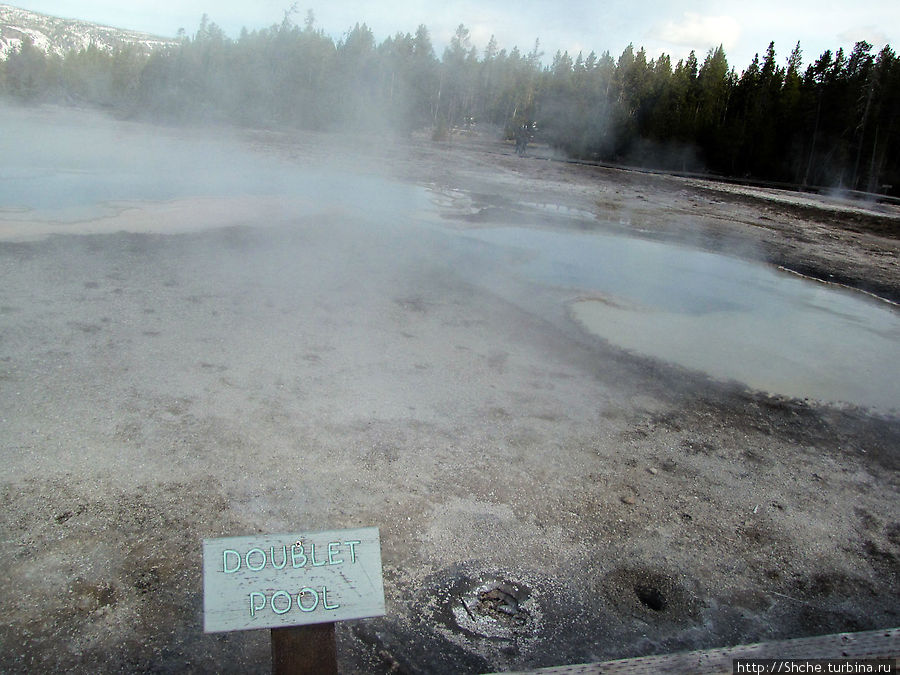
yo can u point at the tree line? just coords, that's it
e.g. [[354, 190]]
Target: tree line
[[834, 123]]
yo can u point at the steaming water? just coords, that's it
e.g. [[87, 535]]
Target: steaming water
[[729, 318], [68, 166], [712, 313]]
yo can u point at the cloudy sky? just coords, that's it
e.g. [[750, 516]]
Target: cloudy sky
[[743, 27]]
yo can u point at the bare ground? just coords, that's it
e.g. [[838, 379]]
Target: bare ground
[[543, 498]]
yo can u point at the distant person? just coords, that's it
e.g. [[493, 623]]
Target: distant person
[[521, 139]]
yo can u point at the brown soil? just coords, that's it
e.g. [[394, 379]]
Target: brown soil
[[542, 497]]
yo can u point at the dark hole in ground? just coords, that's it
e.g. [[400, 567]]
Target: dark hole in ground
[[485, 604], [651, 597], [504, 599]]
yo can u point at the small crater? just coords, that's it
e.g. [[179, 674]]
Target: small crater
[[503, 601], [651, 597], [467, 603], [495, 609], [651, 593]]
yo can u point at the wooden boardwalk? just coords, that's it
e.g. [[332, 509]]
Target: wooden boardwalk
[[883, 644]]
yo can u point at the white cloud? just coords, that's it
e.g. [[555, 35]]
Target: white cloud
[[871, 34], [699, 32]]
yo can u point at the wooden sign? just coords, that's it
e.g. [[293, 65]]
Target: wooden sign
[[276, 580]]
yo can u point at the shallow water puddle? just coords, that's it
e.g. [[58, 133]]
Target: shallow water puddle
[[729, 318]]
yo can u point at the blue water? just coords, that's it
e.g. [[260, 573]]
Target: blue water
[[729, 318]]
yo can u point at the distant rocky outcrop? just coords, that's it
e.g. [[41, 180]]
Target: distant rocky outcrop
[[54, 35]]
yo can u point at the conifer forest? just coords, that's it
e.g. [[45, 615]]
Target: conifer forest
[[833, 124]]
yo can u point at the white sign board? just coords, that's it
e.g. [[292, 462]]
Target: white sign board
[[275, 580]]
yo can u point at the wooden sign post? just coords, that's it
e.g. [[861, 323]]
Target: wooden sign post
[[296, 584]]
